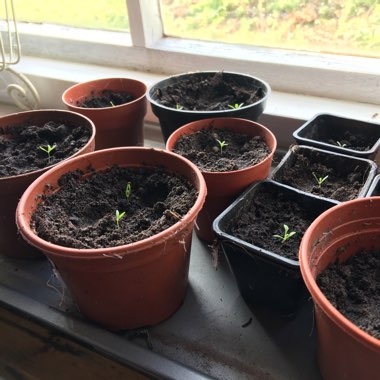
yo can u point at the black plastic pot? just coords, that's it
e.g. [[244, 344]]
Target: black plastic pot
[[173, 118], [334, 133], [374, 190], [343, 164], [264, 277]]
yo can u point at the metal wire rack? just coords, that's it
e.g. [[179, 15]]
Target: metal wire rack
[[23, 93]]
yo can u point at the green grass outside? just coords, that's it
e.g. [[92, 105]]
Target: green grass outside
[[333, 26]]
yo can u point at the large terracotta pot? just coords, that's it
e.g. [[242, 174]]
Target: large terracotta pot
[[344, 350], [11, 188], [224, 187], [120, 125], [132, 285]]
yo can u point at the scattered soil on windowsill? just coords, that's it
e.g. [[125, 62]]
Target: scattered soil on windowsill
[[209, 92], [353, 287], [82, 214], [20, 150], [265, 216], [105, 98], [203, 149], [345, 177]]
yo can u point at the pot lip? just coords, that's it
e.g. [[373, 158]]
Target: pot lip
[[96, 81], [63, 112], [232, 119], [318, 297], [157, 104], [118, 251], [338, 149]]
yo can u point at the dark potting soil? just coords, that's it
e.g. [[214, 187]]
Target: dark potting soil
[[345, 139], [82, 214], [353, 287], [106, 98], [20, 146], [344, 179], [239, 152], [265, 217], [209, 92]]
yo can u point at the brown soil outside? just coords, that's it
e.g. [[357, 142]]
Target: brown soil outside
[[106, 98], [211, 92], [82, 213], [203, 149], [265, 216], [353, 288], [345, 178], [20, 150]]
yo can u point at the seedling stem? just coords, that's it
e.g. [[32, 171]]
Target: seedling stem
[[287, 235]]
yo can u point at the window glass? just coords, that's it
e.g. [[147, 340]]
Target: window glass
[[94, 14], [349, 27]]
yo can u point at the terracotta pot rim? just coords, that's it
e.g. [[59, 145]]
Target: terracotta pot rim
[[209, 120], [318, 297], [261, 100], [126, 249], [64, 112], [97, 109]]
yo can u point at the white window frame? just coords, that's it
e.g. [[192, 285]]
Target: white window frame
[[146, 49]]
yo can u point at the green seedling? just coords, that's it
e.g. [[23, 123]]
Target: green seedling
[[48, 150], [235, 106], [222, 144], [286, 236], [320, 180], [178, 107], [119, 215], [341, 145], [128, 191], [112, 103]]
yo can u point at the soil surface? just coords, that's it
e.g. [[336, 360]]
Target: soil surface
[[82, 214], [353, 288], [345, 139], [20, 146], [265, 216], [209, 92], [239, 151], [345, 177], [106, 98]]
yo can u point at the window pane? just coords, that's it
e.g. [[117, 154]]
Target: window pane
[[334, 26], [94, 14]]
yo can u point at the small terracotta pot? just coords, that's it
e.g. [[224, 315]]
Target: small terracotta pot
[[344, 350], [115, 126], [132, 285], [11, 188], [224, 187]]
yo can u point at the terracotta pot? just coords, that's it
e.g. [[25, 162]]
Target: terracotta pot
[[224, 187], [172, 118], [132, 285], [344, 351], [11, 188], [115, 126]]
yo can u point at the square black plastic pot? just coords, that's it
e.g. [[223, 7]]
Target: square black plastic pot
[[327, 131], [341, 163], [265, 278], [374, 190]]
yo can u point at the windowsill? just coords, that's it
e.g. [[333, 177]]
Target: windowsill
[[284, 111]]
